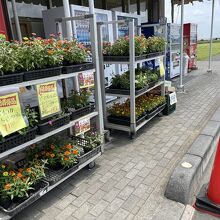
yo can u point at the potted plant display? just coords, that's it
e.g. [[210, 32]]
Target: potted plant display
[[21, 186], [61, 156], [91, 144], [77, 103], [119, 50], [74, 56], [9, 64]]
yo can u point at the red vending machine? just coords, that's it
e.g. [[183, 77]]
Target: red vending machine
[[3, 31], [190, 44]]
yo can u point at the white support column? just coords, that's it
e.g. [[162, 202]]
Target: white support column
[[98, 97], [66, 7], [181, 86], [17, 25], [211, 38], [132, 78]]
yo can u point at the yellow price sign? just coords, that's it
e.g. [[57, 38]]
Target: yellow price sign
[[11, 118], [48, 99]]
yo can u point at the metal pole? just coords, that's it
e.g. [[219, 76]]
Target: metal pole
[[69, 31], [102, 72], [181, 86], [17, 25], [132, 78], [94, 44], [211, 36]]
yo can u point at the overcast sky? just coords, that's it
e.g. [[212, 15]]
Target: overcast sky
[[199, 13]]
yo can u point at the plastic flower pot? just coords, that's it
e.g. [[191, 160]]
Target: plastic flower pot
[[11, 79], [15, 206], [17, 139], [51, 125], [77, 67], [42, 73]]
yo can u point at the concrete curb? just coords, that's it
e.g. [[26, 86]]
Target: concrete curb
[[186, 178]]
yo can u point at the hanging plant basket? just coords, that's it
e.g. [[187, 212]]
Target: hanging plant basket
[[11, 79], [86, 145], [75, 114], [11, 207], [42, 73], [125, 91], [77, 68], [17, 139], [51, 125], [54, 175], [124, 120]]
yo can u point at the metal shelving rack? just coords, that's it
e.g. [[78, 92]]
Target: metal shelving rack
[[98, 113], [133, 128]]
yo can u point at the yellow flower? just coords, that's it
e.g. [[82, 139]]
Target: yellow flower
[[25, 39]]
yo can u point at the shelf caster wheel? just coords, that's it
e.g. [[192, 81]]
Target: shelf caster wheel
[[91, 165], [132, 136]]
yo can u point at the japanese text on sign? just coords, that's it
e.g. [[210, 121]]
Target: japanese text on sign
[[82, 126], [86, 80], [48, 99], [11, 118]]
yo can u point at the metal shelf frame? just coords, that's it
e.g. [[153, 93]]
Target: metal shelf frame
[[132, 130], [98, 101], [44, 80]]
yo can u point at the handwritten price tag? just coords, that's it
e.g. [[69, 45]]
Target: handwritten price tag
[[82, 126], [11, 118], [49, 102], [86, 80]]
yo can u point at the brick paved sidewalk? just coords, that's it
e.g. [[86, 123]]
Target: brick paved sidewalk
[[130, 178]]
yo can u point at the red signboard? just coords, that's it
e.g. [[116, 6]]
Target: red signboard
[[3, 30]]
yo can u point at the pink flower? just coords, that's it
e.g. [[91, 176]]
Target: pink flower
[[52, 35], [33, 34], [50, 122]]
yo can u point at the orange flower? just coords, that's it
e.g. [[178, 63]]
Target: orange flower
[[12, 173], [51, 52], [67, 153], [52, 147], [52, 155], [29, 170], [33, 146], [69, 146], [66, 158], [7, 186], [75, 152], [36, 155], [19, 175], [20, 170], [47, 154]]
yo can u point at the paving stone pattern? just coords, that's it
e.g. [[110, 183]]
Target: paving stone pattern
[[129, 180]]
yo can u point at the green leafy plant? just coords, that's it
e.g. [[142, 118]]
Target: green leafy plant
[[73, 52], [17, 183], [94, 139], [76, 100], [9, 62]]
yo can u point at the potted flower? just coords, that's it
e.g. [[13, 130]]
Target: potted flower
[[155, 44], [74, 56], [9, 64], [53, 122], [40, 58], [77, 104], [91, 144], [121, 47], [61, 156], [18, 186], [23, 135]]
